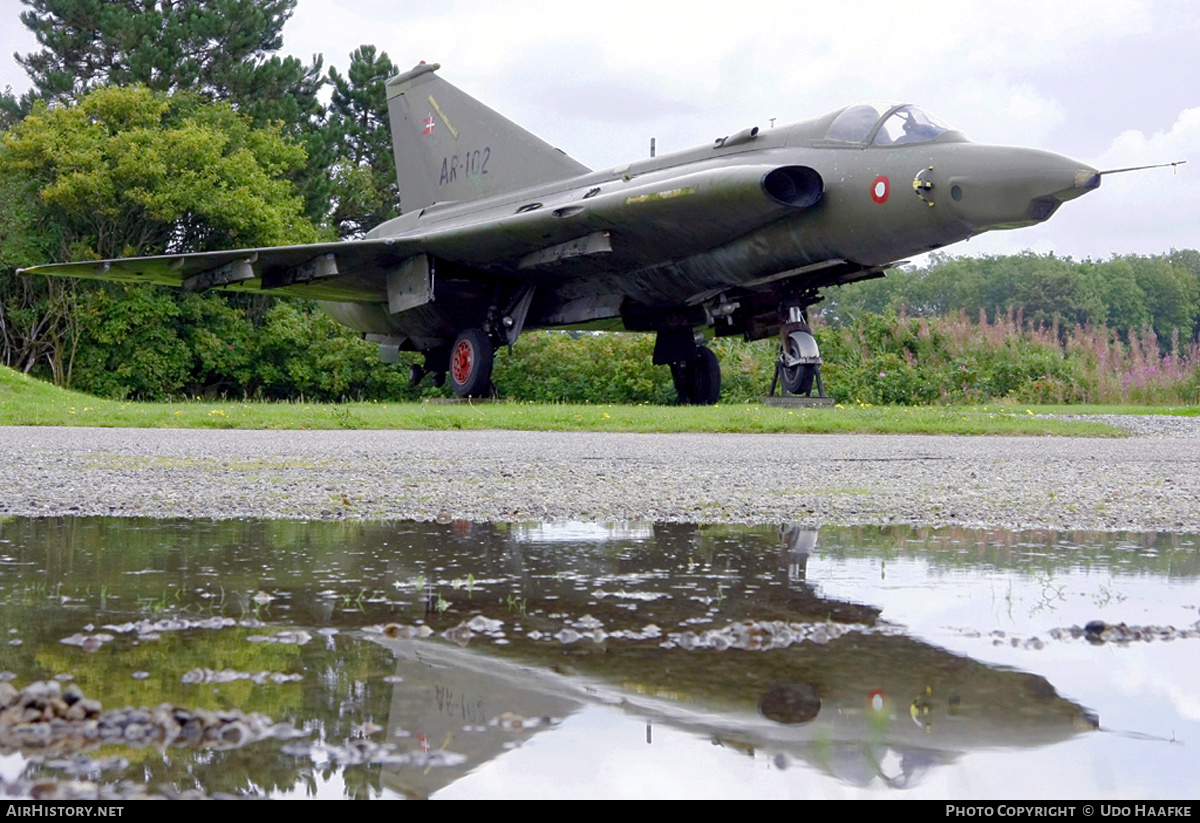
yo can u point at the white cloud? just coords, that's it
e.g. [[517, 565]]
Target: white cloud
[[1133, 147]]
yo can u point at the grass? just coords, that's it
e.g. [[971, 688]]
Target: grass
[[25, 401], [1102, 408]]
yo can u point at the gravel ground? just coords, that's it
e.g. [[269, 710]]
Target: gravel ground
[[1147, 482]]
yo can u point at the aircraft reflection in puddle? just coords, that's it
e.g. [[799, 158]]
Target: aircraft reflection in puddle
[[783, 671]]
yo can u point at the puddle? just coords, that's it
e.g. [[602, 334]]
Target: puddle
[[292, 659]]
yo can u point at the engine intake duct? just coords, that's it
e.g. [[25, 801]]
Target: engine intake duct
[[796, 186]]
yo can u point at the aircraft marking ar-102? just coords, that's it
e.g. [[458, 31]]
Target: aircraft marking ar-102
[[502, 232]]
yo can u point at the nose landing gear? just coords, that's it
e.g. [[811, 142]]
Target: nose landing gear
[[799, 365]]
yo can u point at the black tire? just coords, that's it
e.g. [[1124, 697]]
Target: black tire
[[698, 381], [679, 372], [799, 379], [708, 378], [471, 359]]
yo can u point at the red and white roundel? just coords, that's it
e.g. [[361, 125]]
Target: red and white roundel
[[880, 189]]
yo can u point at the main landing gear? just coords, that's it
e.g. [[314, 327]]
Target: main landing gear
[[694, 368], [467, 363], [698, 381], [471, 359]]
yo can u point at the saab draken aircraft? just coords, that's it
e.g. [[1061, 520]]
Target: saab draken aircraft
[[502, 232]]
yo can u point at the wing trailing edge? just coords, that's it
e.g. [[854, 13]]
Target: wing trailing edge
[[349, 271]]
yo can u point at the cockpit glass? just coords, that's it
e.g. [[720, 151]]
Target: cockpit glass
[[909, 124], [854, 124]]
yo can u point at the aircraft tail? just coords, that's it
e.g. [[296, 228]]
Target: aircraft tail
[[451, 147]]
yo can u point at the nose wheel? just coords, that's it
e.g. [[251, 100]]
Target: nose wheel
[[799, 380], [797, 369], [799, 364]]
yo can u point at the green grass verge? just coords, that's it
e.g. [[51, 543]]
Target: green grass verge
[[28, 402]]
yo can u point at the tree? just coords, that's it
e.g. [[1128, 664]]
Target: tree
[[221, 49], [132, 171], [1172, 295], [35, 313], [1120, 301], [10, 108], [364, 192]]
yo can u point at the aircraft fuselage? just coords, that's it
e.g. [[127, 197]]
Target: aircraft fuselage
[[679, 230]]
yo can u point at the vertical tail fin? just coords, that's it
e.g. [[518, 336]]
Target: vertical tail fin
[[449, 146]]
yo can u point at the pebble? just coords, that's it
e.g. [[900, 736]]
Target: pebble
[[48, 716]]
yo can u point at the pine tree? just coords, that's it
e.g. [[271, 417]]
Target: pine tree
[[363, 169], [222, 49]]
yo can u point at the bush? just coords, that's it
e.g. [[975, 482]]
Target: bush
[[556, 367], [153, 344]]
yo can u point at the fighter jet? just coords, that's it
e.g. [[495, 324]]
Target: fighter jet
[[501, 232]]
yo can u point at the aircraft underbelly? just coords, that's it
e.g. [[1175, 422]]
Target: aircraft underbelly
[[783, 246], [591, 287]]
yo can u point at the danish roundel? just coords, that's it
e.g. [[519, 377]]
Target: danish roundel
[[880, 188]]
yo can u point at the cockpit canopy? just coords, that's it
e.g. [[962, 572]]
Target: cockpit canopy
[[885, 124]]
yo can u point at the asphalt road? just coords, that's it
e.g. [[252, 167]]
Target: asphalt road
[[1146, 482]]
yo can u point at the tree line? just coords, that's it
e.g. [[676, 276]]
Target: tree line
[[1159, 292], [159, 127], [1027, 327]]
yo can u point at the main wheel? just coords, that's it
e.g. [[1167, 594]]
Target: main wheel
[[798, 379], [471, 359], [698, 381]]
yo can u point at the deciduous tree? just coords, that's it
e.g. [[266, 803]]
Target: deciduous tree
[[131, 171]]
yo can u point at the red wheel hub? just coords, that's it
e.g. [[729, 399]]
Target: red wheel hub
[[462, 362]]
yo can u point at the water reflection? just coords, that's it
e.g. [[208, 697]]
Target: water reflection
[[424, 658]]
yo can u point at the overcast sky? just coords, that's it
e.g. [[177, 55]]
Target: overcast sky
[[1111, 82]]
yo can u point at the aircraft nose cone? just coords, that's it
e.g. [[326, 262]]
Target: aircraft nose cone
[[994, 187], [1087, 179]]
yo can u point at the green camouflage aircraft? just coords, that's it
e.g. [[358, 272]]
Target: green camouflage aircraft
[[502, 232]]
